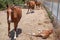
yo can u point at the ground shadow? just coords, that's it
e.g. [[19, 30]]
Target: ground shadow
[[30, 12], [19, 31]]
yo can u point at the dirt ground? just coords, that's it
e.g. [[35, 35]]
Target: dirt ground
[[29, 23]]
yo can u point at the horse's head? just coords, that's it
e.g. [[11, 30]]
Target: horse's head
[[9, 12]]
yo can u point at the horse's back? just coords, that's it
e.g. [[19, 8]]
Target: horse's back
[[17, 12], [32, 3]]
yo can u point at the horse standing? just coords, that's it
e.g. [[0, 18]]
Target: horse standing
[[38, 4], [14, 14], [31, 6]]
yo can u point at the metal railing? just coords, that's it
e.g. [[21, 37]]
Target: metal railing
[[54, 7]]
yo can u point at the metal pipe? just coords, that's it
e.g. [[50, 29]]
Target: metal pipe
[[52, 7], [57, 11]]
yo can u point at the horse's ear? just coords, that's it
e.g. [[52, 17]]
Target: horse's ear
[[7, 5]]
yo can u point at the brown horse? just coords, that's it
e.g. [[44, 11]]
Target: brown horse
[[38, 4], [31, 5], [14, 14]]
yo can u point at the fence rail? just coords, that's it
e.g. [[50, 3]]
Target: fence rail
[[54, 7]]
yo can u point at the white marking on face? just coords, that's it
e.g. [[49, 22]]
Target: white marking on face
[[10, 10], [9, 18], [9, 15]]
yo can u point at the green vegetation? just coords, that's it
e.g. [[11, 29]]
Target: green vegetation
[[49, 14], [4, 2]]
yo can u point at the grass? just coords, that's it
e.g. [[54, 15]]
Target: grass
[[49, 14]]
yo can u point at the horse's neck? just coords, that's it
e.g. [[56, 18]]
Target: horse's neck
[[8, 9]]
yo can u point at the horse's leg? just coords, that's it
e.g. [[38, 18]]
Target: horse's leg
[[28, 10], [15, 28], [8, 28], [32, 10], [35, 6], [39, 7]]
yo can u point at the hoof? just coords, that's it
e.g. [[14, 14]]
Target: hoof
[[14, 37]]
